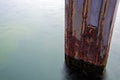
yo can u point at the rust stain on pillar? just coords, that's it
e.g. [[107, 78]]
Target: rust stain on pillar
[[88, 31]]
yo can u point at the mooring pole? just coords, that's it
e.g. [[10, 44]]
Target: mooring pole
[[88, 31]]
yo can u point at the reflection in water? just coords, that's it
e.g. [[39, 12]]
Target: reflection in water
[[70, 74]]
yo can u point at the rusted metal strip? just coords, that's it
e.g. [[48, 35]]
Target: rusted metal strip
[[84, 16], [101, 31], [70, 49]]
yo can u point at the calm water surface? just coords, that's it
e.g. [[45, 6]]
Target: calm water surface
[[32, 42]]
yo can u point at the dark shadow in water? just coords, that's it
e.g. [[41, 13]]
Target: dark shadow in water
[[77, 75]]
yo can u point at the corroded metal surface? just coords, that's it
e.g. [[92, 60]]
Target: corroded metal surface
[[88, 29]]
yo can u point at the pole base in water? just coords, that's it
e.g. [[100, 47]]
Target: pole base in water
[[84, 67]]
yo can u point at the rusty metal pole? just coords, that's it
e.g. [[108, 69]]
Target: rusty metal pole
[[88, 31]]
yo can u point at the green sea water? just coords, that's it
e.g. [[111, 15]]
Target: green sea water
[[32, 41]]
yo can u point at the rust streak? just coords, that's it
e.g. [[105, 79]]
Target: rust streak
[[101, 32]]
